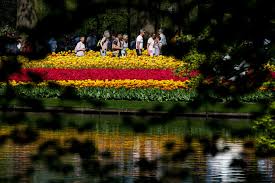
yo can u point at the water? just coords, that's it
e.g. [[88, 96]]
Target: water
[[185, 150]]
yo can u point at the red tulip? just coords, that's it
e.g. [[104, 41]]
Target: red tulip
[[98, 74]]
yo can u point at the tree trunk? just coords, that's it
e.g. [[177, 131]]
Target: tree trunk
[[26, 14]]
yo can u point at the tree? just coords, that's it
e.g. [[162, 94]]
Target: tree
[[8, 8], [26, 14]]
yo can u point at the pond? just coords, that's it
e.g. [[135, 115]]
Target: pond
[[94, 148]]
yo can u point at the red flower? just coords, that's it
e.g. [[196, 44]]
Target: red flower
[[97, 74]]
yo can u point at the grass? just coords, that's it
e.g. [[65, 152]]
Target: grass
[[143, 105]]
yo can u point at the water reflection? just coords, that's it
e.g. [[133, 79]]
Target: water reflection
[[266, 168], [218, 167], [151, 157]]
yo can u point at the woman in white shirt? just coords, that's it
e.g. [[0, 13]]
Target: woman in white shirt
[[139, 42], [150, 45], [80, 47]]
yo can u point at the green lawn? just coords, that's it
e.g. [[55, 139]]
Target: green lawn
[[151, 106]]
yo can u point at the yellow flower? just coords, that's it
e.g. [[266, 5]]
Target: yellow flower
[[164, 84], [94, 60]]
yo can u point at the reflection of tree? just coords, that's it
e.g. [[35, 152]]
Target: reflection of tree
[[21, 162], [266, 169]]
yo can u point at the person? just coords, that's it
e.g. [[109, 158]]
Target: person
[[64, 43], [19, 44], [175, 39], [80, 47], [26, 47], [117, 45], [104, 43], [150, 44], [157, 46], [163, 41], [111, 40], [133, 43], [52, 44], [91, 41], [11, 46], [139, 42], [125, 45]]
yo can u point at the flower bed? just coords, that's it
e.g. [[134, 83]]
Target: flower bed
[[114, 78], [94, 71], [93, 76]]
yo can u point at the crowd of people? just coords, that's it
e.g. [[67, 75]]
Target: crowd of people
[[119, 43]]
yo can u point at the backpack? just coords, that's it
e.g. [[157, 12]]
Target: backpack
[[133, 45]]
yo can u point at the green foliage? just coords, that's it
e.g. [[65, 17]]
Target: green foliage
[[71, 5], [187, 38], [265, 145], [125, 94], [258, 96], [113, 20], [193, 59], [105, 93], [272, 106], [8, 13], [194, 82], [7, 28], [265, 127]]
